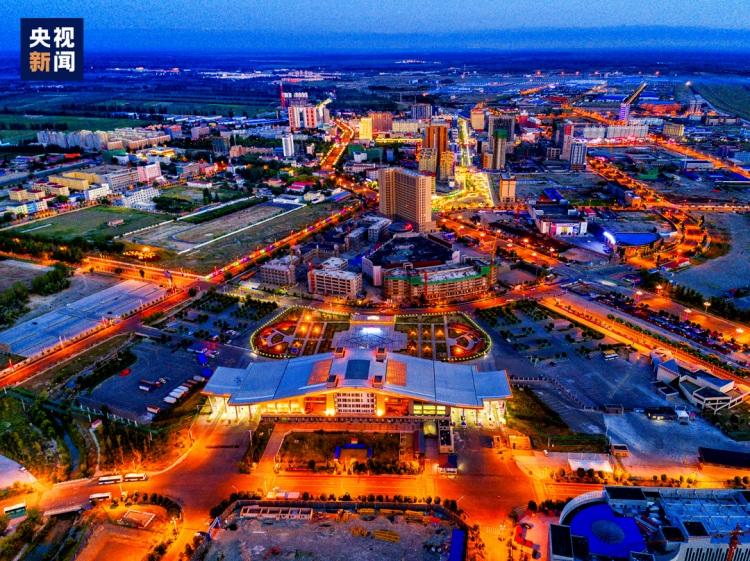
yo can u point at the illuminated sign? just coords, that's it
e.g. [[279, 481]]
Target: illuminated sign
[[52, 49]]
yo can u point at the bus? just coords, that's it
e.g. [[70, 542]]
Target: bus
[[135, 477], [109, 479], [15, 511], [99, 497], [610, 355]]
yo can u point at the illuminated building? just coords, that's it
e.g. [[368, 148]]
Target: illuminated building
[[477, 118], [278, 272], [96, 192], [149, 173], [428, 160], [624, 112], [358, 382], [287, 145], [310, 117], [330, 281], [674, 130], [365, 128], [406, 195], [499, 150], [436, 136], [382, 121], [507, 187], [578, 151], [295, 116], [505, 123], [447, 159], [568, 131]]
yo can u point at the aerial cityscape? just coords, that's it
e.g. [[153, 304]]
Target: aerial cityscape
[[381, 282]]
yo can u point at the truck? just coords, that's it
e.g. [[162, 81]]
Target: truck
[[170, 400], [153, 409]]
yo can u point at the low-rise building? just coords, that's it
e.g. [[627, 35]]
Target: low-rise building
[[279, 272], [96, 192], [335, 282], [130, 199]]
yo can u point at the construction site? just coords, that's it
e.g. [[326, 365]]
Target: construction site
[[255, 532]]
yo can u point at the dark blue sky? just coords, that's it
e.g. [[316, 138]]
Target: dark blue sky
[[387, 24]]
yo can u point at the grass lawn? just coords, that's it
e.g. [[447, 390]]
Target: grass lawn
[[91, 223], [528, 414], [734, 98]]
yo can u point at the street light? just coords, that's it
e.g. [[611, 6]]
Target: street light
[[687, 313], [706, 305], [638, 296]]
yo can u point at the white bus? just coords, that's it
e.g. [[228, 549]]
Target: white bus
[[135, 477], [109, 479], [100, 497], [15, 511]]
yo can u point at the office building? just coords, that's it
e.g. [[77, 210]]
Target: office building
[[120, 180], [138, 197], [96, 192], [407, 126], [477, 118], [439, 283], [421, 111], [382, 121], [486, 160], [673, 130], [287, 145], [279, 272], [499, 149], [200, 131], [331, 281], [53, 189], [507, 187], [406, 195], [149, 173], [505, 123], [578, 151], [365, 128], [221, 144]]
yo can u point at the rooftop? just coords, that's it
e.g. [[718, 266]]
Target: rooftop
[[459, 385], [410, 249]]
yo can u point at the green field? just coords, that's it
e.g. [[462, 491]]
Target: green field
[[91, 223], [74, 124], [733, 98]]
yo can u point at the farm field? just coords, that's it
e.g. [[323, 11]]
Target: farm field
[[181, 235], [224, 251], [19, 271], [92, 223], [733, 98]]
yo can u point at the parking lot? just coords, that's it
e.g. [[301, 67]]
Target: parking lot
[[121, 394]]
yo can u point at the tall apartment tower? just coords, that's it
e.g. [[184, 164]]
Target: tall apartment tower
[[365, 128], [295, 116], [505, 123], [568, 130], [287, 144], [499, 150], [624, 112], [421, 111], [382, 121], [436, 136], [578, 149], [406, 195]]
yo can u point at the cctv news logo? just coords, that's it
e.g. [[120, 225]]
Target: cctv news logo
[[52, 49]]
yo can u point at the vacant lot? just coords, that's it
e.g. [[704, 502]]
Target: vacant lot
[[182, 235], [734, 98], [224, 251], [91, 223], [19, 271], [714, 277]]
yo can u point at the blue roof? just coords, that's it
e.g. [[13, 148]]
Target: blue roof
[[608, 535], [636, 239]]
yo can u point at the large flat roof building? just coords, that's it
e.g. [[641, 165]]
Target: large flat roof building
[[357, 384], [406, 250]]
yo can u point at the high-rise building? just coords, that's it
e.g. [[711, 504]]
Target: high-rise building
[[436, 136], [421, 111], [406, 195], [505, 123], [428, 160], [486, 160], [445, 170], [674, 130], [310, 117], [578, 149], [365, 128], [624, 112], [295, 116], [382, 121], [507, 187], [287, 144], [568, 130], [499, 150], [477, 118]]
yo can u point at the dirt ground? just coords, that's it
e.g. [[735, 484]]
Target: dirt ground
[[328, 540], [81, 285], [19, 271], [181, 235], [714, 277]]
